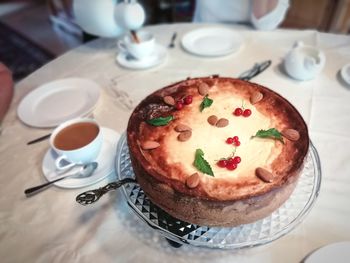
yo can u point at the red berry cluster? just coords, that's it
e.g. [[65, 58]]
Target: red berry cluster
[[233, 140], [185, 101], [241, 112], [230, 163]]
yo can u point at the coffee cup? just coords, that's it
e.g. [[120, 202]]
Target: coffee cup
[[76, 141], [140, 50]]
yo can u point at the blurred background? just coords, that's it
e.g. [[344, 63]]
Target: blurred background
[[33, 32]]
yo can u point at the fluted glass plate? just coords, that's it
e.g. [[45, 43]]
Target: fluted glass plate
[[268, 229]]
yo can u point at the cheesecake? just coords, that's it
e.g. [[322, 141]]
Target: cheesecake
[[217, 151]]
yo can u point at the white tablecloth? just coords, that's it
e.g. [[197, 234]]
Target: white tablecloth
[[52, 227]]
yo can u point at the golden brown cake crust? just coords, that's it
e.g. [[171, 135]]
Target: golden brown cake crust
[[214, 201]]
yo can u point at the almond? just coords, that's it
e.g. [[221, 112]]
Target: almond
[[169, 100], [203, 89], [149, 145], [291, 134], [222, 123], [264, 175], [213, 119], [182, 127], [184, 136], [256, 97], [193, 180]]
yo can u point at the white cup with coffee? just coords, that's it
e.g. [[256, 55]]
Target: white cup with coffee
[[76, 141], [140, 50]]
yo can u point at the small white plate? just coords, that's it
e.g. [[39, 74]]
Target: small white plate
[[105, 163], [57, 101], [336, 252], [212, 41], [156, 58], [345, 73]]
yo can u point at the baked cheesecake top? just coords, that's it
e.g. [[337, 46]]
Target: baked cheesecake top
[[218, 138]]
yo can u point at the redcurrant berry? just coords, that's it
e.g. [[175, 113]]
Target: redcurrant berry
[[222, 163], [237, 143], [247, 113], [231, 166], [188, 99], [238, 112], [179, 105], [235, 138], [236, 159], [229, 140]]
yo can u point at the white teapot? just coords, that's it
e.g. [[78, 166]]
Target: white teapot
[[130, 15], [304, 62], [97, 17], [108, 18]]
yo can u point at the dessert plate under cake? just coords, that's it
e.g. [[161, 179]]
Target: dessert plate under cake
[[165, 139], [263, 231]]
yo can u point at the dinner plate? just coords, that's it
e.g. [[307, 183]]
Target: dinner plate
[[57, 101], [345, 73], [156, 58], [105, 163], [212, 41], [337, 252]]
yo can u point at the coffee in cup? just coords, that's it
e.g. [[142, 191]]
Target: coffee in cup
[[77, 141], [140, 50]]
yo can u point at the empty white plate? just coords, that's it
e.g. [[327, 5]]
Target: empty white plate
[[336, 252], [105, 163], [212, 41], [57, 101], [156, 58], [345, 73]]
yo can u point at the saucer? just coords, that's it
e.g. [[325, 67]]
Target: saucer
[[345, 73], [156, 58], [57, 101], [105, 163]]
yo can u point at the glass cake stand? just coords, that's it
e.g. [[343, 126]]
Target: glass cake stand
[[268, 229]]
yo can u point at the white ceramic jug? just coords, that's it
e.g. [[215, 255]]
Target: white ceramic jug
[[108, 18], [304, 62], [130, 15], [97, 17]]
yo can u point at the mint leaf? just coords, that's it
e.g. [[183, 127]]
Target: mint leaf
[[201, 164], [270, 133], [205, 103], [161, 121]]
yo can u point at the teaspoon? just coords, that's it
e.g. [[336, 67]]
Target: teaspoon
[[86, 171]]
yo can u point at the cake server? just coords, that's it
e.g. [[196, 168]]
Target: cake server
[[255, 70], [92, 196]]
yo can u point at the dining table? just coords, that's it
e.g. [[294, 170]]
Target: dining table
[[52, 227]]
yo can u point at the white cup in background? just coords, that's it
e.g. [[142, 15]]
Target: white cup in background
[[76, 141], [138, 50]]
